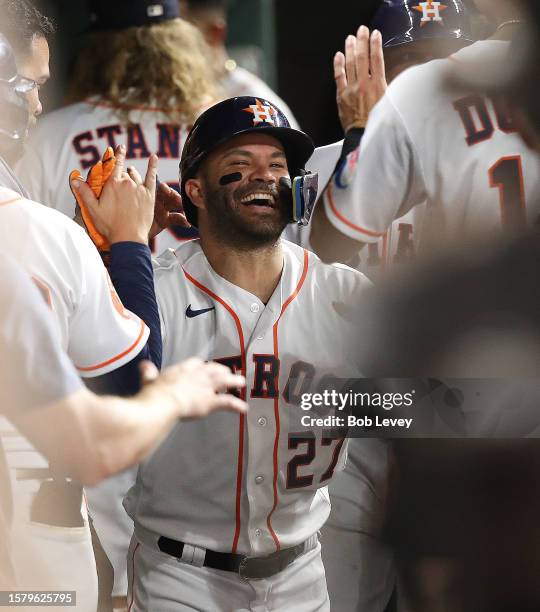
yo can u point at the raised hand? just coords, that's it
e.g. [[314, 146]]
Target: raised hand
[[125, 209], [168, 210], [360, 77]]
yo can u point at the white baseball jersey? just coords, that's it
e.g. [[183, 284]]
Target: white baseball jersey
[[458, 152], [76, 136], [98, 334], [96, 331], [241, 82], [246, 484], [35, 372]]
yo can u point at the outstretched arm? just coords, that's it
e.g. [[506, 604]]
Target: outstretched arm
[[360, 79], [91, 437]]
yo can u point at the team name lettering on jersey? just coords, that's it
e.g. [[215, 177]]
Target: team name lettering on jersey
[[89, 145], [479, 121], [301, 379]]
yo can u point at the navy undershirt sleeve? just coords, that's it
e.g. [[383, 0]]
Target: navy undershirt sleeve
[[133, 278], [351, 142]]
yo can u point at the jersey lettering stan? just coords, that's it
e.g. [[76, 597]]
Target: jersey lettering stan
[[76, 137]]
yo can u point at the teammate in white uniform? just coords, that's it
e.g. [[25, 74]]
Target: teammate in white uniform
[[83, 435], [243, 487], [147, 104], [94, 328], [458, 151], [210, 16], [359, 568]]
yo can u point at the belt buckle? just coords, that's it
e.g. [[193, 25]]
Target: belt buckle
[[247, 570]]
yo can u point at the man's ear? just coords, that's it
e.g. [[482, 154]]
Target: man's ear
[[194, 192]]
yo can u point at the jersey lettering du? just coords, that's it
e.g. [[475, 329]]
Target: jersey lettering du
[[456, 151]]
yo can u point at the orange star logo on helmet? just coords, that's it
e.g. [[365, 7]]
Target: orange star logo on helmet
[[431, 11], [262, 113]]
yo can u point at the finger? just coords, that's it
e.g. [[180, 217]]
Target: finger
[[192, 363], [173, 201], [228, 402], [362, 54], [216, 369], [350, 59], [134, 175], [75, 175], [234, 381], [88, 204], [164, 188], [82, 191], [151, 174], [120, 154], [108, 162], [177, 218], [229, 383], [340, 75], [148, 372], [378, 72]]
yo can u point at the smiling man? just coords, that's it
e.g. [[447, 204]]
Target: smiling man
[[240, 501]]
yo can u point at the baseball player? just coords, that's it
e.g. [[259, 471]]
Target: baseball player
[[86, 436], [210, 16], [239, 501], [403, 47], [146, 103], [458, 152], [96, 330], [359, 568]]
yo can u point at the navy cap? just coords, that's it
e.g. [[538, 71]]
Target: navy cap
[[122, 14], [407, 21]]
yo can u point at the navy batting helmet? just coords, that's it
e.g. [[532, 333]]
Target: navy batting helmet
[[406, 21], [106, 15], [231, 118], [13, 104]]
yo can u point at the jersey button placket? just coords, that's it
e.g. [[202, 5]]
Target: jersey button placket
[[261, 432]]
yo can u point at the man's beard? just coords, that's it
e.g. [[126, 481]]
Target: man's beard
[[230, 227]]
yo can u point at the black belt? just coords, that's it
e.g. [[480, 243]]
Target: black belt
[[249, 568]]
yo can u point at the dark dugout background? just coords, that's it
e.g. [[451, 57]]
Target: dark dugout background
[[298, 37]]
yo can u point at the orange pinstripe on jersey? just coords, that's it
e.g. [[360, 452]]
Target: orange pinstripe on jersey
[[276, 399], [343, 219], [240, 467], [118, 357], [10, 201]]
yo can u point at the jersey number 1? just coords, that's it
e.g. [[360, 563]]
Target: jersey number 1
[[507, 176]]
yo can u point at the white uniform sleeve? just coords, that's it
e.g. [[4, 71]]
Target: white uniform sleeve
[[35, 370], [379, 182], [103, 335]]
